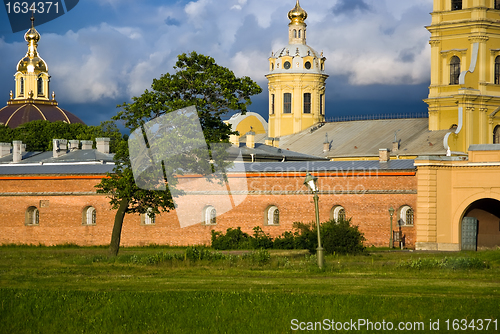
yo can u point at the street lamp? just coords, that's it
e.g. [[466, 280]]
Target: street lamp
[[391, 242], [310, 182]]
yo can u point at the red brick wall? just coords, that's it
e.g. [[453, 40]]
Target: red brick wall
[[365, 198]]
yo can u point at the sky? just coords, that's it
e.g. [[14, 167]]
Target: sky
[[103, 52]]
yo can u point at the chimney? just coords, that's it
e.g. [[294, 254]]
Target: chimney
[[87, 144], [23, 148], [251, 139], [269, 141], [59, 147], [276, 142], [395, 146], [16, 151], [235, 140], [5, 149], [102, 145], [326, 144], [73, 145], [384, 155]]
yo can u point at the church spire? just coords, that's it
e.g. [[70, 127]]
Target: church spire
[[297, 25], [32, 77]]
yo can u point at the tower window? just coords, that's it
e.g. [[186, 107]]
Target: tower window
[[307, 65], [496, 135], [40, 86], [294, 33], [272, 104], [456, 4], [497, 70], [321, 107], [287, 65], [300, 33], [287, 103], [307, 103], [21, 90], [497, 4], [454, 70]]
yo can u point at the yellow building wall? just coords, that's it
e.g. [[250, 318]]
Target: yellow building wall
[[446, 189], [281, 124], [454, 33]]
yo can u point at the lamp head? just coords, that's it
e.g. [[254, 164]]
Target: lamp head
[[391, 211], [310, 182]]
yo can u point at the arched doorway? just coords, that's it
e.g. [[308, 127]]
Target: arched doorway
[[481, 225]]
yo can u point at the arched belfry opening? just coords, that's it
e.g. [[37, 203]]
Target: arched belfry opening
[[480, 226]]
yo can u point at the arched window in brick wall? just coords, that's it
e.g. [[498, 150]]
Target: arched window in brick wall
[[272, 215], [148, 218], [337, 213], [406, 216], [89, 216], [209, 215], [32, 216]]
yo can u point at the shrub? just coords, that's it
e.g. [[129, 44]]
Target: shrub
[[341, 237], [336, 237], [233, 239], [285, 241], [260, 239]]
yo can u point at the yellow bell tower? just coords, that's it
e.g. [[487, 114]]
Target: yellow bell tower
[[296, 81], [464, 95]]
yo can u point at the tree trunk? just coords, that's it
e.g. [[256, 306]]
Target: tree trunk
[[114, 246]]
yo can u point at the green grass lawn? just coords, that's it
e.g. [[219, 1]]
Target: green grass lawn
[[166, 290]]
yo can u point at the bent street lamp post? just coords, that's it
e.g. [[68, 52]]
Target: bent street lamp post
[[310, 182], [391, 242]]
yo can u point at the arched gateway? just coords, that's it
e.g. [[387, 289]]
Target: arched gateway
[[480, 225]]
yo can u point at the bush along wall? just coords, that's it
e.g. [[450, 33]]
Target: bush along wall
[[338, 237]]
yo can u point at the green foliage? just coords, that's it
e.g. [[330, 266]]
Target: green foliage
[[454, 263], [38, 135], [198, 81], [341, 237], [285, 241], [260, 239], [233, 239]]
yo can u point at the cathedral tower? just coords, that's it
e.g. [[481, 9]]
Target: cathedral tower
[[464, 95], [296, 81], [30, 100]]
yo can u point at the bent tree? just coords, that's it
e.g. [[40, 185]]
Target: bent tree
[[197, 81]]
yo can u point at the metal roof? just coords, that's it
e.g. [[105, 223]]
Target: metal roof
[[365, 138], [328, 166], [56, 169]]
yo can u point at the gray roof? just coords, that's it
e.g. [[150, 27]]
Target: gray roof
[[365, 138], [78, 162], [332, 166], [56, 169]]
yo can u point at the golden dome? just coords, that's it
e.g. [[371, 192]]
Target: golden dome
[[32, 62], [32, 34], [297, 14]]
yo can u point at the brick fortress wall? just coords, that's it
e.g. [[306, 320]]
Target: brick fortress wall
[[366, 197]]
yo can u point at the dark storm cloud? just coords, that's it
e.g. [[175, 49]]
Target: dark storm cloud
[[347, 6]]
